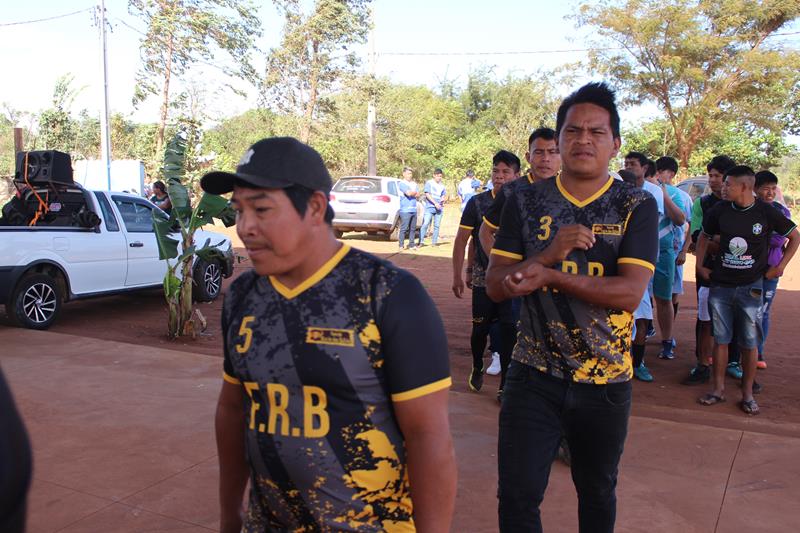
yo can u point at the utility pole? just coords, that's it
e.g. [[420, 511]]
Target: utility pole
[[372, 156], [105, 137]]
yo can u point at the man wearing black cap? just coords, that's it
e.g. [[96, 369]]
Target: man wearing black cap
[[327, 401]]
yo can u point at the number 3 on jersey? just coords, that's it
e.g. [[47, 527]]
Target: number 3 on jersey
[[545, 227], [247, 332]]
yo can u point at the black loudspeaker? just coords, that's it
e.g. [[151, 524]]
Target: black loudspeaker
[[45, 167]]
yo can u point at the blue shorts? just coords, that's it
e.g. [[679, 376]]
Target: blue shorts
[[645, 309], [736, 309], [664, 276], [677, 286]]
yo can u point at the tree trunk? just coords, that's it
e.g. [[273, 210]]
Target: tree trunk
[[308, 114], [162, 123]]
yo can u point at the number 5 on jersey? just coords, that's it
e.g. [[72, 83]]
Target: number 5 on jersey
[[247, 332]]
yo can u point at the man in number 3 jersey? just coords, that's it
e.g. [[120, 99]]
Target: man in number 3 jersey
[[580, 250], [328, 404]]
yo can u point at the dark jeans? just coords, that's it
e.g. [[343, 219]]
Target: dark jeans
[[485, 313], [537, 410], [408, 226]]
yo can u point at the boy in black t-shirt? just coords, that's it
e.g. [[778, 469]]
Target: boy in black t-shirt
[[744, 225]]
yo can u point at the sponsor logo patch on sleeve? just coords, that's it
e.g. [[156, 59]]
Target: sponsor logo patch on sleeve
[[334, 337], [607, 229]]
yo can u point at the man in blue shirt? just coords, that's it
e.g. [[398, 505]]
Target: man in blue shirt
[[435, 197], [408, 208]]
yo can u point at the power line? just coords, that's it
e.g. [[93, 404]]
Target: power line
[[531, 52], [46, 19]]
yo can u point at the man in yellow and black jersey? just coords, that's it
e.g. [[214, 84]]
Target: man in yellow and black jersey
[[545, 162], [580, 249], [328, 404], [485, 312]]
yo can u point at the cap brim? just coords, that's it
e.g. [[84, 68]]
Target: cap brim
[[223, 182]]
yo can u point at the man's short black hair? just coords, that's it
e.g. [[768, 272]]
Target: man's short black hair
[[643, 159], [720, 163], [667, 163], [299, 196], [651, 169], [160, 186], [548, 134], [504, 156], [765, 177], [438, 171], [627, 176], [738, 171], [597, 93]]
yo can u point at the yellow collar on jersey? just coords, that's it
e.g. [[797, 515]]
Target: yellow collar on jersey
[[582, 203], [315, 278]]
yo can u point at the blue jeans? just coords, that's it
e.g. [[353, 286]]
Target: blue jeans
[[736, 310], [537, 410], [408, 226], [431, 213], [770, 289]]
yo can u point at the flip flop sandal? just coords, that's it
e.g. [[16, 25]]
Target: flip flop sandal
[[750, 407], [710, 399]]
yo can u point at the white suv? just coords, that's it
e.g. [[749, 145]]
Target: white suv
[[368, 203]]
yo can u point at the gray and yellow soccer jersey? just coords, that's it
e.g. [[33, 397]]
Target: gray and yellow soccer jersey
[[559, 334], [471, 220], [320, 367], [492, 215]]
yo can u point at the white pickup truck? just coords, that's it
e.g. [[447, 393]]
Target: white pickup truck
[[58, 260]]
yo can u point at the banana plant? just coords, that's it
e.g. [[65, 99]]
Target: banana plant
[[186, 220]]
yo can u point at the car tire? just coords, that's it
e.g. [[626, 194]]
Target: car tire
[[394, 234], [207, 276], [36, 302], [338, 234]]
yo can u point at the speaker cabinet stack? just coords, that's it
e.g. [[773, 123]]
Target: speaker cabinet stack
[[45, 167]]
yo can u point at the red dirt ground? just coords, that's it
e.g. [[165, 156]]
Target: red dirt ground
[[140, 318]]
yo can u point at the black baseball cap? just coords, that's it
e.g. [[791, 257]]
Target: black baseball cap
[[274, 163]]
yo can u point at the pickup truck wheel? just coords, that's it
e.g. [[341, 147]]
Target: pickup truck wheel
[[36, 302], [394, 233], [338, 234], [207, 280]]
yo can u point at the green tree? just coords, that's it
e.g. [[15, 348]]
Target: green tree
[[181, 33], [702, 61], [56, 125], [746, 144], [314, 57]]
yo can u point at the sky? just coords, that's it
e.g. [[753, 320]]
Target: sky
[[40, 52]]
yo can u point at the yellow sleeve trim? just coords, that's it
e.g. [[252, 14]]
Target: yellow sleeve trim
[[436, 386], [230, 379], [485, 221], [634, 261], [466, 227], [503, 253]]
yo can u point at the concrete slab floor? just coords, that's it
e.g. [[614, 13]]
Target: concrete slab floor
[[123, 441]]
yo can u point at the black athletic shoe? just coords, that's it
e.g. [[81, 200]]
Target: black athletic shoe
[[475, 379], [698, 375]]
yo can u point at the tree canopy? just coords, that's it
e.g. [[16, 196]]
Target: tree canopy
[[704, 62]]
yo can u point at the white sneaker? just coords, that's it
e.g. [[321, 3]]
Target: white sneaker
[[494, 368]]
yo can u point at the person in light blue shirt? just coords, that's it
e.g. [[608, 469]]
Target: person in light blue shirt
[[408, 209], [664, 278], [467, 188], [435, 197]]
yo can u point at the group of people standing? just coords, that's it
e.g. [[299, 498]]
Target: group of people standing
[[434, 196], [338, 416]]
